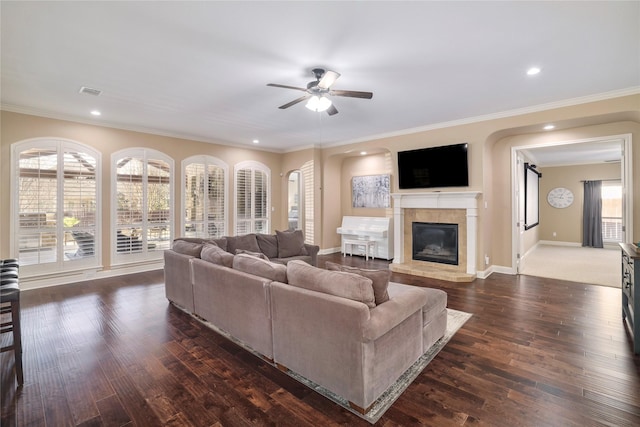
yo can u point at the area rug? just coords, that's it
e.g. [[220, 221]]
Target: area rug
[[455, 320]]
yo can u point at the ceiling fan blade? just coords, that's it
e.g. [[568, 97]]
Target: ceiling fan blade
[[294, 102], [351, 94], [332, 110], [286, 87], [328, 78]]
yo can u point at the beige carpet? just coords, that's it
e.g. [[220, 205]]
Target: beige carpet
[[576, 264]]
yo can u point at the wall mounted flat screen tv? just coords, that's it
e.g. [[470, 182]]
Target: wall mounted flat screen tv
[[445, 166]]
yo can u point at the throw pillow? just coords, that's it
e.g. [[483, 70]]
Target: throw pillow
[[253, 254], [187, 248], [268, 244], [338, 283], [290, 243], [217, 255], [247, 242], [379, 279], [260, 267]]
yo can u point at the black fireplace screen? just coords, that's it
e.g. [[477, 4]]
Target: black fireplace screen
[[435, 242]]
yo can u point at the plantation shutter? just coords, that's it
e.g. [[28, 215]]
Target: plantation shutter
[[216, 218], [243, 201], [252, 199], [80, 189], [37, 206], [260, 203], [130, 198], [205, 200], [158, 225], [194, 200]]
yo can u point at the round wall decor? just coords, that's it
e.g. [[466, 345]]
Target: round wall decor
[[560, 197]]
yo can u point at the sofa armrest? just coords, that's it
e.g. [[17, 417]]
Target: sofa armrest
[[178, 279], [312, 250], [390, 314]]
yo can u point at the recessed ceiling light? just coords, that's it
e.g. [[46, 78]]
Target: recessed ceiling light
[[533, 71], [96, 113], [549, 127], [256, 141], [363, 153]]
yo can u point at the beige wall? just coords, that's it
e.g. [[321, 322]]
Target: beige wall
[[18, 127], [490, 142], [567, 222], [374, 164]]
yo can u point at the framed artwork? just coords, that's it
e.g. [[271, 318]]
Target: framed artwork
[[371, 191]]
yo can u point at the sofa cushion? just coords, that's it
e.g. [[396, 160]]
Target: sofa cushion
[[253, 254], [221, 242], [379, 279], [260, 267], [216, 255], [290, 243], [247, 242], [305, 258], [268, 244], [338, 283], [187, 248]]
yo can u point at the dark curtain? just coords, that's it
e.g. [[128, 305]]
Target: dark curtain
[[592, 215]]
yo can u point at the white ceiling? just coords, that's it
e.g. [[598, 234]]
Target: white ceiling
[[579, 153], [199, 69]]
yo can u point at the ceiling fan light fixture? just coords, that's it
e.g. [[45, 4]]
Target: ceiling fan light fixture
[[318, 103]]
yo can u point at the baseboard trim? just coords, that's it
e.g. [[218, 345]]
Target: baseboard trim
[[328, 251], [607, 245]]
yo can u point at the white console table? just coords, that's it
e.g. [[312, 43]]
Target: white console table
[[356, 231]]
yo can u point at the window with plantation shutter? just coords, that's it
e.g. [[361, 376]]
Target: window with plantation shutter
[[142, 206], [56, 226], [204, 197], [251, 198], [307, 170]]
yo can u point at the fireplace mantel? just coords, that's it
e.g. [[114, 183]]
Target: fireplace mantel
[[466, 200]]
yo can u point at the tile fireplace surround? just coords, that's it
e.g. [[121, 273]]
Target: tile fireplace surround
[[447, 207]]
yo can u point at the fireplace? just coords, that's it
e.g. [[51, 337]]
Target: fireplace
[[457, 208], [435, 242]]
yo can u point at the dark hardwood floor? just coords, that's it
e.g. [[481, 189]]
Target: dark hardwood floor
[[114, 352]]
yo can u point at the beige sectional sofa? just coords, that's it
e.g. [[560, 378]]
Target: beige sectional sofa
[[352, 332], [281, 247]]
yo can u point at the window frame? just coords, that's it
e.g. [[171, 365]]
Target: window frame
[[205, 160], [61, 264], [146, 253], [254, 166]]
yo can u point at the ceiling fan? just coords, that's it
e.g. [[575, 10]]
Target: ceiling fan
[[317, 92]]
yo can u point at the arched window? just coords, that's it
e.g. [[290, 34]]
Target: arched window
[[142, 205], [252, 187], [55, 207], [205, 195]]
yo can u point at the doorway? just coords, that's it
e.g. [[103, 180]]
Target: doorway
[[614, 149]]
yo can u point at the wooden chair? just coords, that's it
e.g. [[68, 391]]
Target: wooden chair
[[10, 305]]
